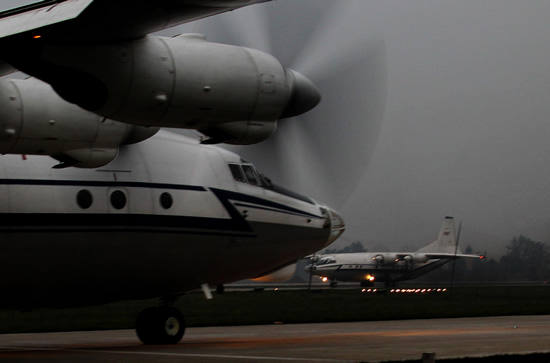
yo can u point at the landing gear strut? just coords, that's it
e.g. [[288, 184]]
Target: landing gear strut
[[160, 325]]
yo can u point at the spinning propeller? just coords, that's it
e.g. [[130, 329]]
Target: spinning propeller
[[323, 153]]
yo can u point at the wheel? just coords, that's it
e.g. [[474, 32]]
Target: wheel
[[220, 289], [333, 284], [160, 325]]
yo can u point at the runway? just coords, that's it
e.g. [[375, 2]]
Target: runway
[[334, 342]]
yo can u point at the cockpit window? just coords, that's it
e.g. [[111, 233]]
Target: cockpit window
[[250, 174], [326, 261], [265, 181], [237, 172], [247, 173]]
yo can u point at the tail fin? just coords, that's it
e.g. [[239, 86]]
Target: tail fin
[[446, 241]]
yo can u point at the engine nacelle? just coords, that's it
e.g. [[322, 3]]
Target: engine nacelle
[[239, 133], [281, 275], [413, 258], [420, 258], [385, 258], [34, 120], [185, 82]]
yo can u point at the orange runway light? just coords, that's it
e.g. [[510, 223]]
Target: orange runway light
[[37, 37]]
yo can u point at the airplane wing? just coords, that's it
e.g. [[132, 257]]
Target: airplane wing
[[39, 15], [102, 20], [434, 256]]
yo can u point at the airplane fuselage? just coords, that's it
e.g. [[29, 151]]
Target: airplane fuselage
[[362, 267], [165, 217]]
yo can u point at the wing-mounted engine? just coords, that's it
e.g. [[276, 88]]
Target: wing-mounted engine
[[239, 133], [233, 94], [34, 120], [385, 259], [409, 260], [420, 258]]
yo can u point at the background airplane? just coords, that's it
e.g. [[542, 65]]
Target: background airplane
[[390, 267]]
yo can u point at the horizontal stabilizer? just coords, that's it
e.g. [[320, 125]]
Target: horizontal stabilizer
[[39, 15]]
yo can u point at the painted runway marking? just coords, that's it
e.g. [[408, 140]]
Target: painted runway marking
[[219, 356]]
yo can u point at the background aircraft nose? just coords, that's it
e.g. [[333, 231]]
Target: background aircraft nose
[[304, 95], [337, 225]]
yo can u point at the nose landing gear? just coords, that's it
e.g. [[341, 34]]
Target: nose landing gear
[[160, 325]]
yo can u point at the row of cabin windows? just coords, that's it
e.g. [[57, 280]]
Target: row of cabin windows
[[85, 199], [246, 173]]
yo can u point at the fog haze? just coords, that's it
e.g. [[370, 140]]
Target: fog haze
[[466, 125]]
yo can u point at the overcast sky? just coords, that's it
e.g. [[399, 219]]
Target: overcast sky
[[466, 125]]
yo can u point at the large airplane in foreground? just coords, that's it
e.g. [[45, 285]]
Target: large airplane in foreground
[[122, 210], [389, 267]]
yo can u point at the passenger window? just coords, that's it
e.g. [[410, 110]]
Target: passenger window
[[250, 174], [84, 199], [166, 200], [118, 199], [237, 172]]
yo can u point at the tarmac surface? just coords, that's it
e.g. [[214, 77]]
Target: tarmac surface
[[330, 342]]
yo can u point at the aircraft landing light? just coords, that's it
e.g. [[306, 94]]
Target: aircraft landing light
[[324, 279]]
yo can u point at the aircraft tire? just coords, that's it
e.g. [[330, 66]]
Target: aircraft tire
[[160, 325]]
